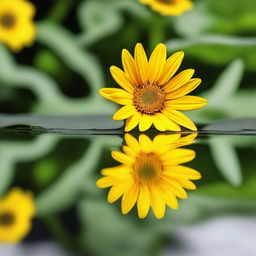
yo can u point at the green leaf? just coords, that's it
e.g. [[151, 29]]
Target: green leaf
[[12, 152], [218, 17], [198, 16], [227, 84], [224, 97], [103, 18], [64, 192], [217, 49], [200, 207], [223, 190], [61, 41], [211, 40], [226, 160], [98, 19], [49, 97]]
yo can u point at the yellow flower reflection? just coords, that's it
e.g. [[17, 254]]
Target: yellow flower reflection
[[150, 173], [151, 93], [169, 7], [16, 26], [16, 211]]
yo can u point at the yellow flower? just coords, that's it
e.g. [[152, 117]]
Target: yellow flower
[[150, 173], [16, 26], [169, 7], [151, 93], [16, 211]]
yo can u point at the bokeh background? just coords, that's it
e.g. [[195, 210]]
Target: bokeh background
[[60, 74]]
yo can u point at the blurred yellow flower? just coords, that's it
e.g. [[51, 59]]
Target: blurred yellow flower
[[150, 173], [169, 7], [16, 26], [16, 211], [151, 93]]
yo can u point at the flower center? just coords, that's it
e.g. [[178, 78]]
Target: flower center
[[6, 219], [147, 167], [149, 98], [7, 20]]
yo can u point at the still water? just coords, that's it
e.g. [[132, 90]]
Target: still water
[[212, 176]]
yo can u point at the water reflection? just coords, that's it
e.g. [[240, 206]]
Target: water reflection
[[151, 173], [61, 172]]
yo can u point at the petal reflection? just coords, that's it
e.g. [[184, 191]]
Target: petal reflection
[[151, 173]]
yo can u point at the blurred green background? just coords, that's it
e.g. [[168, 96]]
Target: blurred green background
[[60, 74]]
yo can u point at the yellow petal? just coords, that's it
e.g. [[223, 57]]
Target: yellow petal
[[121, 101], [22, 200], [165, 121], [117, 91], [124, 112], [145, 143], [172, 202], [163, 149], [172, 126], [178, 156], [159, 122], [121, 78], [119, 96], [132, 121], [118, 190], [132, 142], [129, 151], [129, 198], [188, 87], [122, 158], [187, 103], [145, 122], [175, 188], [162, 123], [164, 139], [171, 9], [14, 195], [171, 66], [179, 118], [169, 197], [187, 140], [141, 63], [118, 172], [179, 80], [156, 63], [28, 9], [143, 202], [130, 67], [122, 94], [105, 182], [106, 92], [115, 192], [180, 171], [157, 202], [185, 183], [145, 1]]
